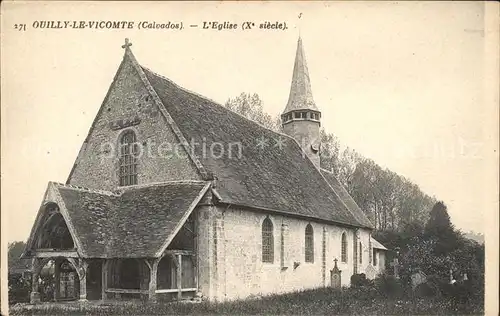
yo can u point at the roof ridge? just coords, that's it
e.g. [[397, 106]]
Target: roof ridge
[[81, 188], [213, 101], [155, 184]]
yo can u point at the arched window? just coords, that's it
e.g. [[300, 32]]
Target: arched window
[[360, 253], [128, 159], [309, 243], [343, 247], [267, 241]]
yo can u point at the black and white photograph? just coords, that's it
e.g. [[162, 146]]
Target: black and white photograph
[[249, 158]]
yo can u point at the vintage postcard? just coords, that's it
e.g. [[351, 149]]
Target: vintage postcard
[[302, 158]]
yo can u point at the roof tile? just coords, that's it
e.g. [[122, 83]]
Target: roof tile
[[134, 223], [281, 179]]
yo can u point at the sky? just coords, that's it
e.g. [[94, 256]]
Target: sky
[[401, 83]]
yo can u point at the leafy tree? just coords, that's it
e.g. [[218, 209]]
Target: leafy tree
[[440, 229], [15, 250], [391, 201], [348, 162], [439, 220], [251, 107], [329, 152], [19, 287]]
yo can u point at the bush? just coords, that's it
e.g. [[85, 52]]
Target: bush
[[358, 280], [426, 290], [388, 286], [19, 289]]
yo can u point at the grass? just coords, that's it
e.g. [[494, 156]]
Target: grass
[[325, 301]]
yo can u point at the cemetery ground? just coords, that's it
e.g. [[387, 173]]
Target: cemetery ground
[[382, 298]]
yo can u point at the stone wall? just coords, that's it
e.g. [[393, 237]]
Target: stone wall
[[305, 132], [380, 267], [230, 254], [128, 106]]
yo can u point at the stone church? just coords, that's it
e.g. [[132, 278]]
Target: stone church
[[173, 196]]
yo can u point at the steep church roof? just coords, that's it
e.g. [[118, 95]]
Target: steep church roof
[[345, 197], [273, 173], [301, 96]]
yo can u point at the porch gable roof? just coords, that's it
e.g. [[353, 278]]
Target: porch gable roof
[[133, 222]]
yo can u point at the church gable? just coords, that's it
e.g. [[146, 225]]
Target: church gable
[[130, 117], [52, 229]]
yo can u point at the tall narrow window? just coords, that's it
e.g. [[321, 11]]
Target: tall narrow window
[[267, 241], [374, 257], [343, 247], [360, 253], [128, 159], [370, 249], [309, 243]]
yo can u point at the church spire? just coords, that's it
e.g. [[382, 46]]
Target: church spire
[[301, 118], [300, 97]]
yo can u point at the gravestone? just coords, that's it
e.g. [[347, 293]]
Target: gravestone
[[370, 272], [335, 276], [464, 277], [417, 278], [421, 286]]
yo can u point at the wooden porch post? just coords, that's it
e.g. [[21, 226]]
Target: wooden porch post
[[82, 274], [153, 274], [177, 259], [36, 266], [57, 279], [179, 277], [194, 259], [104, 278]]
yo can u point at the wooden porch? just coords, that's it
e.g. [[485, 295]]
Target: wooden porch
[[171, 276]]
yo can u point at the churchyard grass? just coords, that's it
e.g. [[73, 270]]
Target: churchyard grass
[[353, 301]]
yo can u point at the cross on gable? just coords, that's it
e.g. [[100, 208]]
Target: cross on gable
[[127, 44], [336, 268]]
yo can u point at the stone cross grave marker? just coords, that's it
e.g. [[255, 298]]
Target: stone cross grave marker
[[335, 276], [395, 265]]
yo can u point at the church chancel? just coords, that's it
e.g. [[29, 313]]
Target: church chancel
[[215, 226]]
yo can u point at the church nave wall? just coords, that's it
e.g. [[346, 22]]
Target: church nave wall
[[234, 237]]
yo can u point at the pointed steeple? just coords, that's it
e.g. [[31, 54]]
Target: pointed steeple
[[300, 97], [301, 119]]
